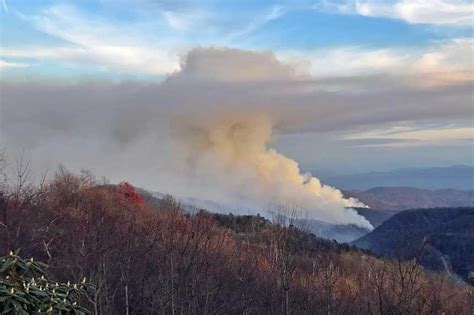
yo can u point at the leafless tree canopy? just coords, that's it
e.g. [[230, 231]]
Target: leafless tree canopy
[[155, 258]]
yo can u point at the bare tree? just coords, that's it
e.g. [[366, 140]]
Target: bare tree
[[3, 167], [284, 242]]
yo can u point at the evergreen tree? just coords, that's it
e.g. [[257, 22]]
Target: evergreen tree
[[24, 289]]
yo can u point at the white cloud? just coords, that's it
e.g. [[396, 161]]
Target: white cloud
[[129, 47], [436, 12], [4, 4], [348, 61], [422, 11], [438, 135], [401, 136], [274, 13], [43, 53], [95, 41], [442, 62], [179, 22], [123, 47], [186, 21], [5, 64]]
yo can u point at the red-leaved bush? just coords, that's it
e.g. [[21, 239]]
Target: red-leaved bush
[[127, 192]]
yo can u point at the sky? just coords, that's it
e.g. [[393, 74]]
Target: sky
[[349, 86]]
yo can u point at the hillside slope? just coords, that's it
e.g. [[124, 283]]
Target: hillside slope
[[144, 255], [440, 239]]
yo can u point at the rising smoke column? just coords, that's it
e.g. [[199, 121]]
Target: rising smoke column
[[231, 153]]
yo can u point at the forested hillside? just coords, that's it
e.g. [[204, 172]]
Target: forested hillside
[[441, 239], [141, 255]]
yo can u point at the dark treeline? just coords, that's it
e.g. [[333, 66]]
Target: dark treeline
[[148, 256]]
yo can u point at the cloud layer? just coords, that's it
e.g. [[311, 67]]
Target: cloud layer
[[435, 12], [154, 46]]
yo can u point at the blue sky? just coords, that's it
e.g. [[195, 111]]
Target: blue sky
[[62, 38], [377, 84]]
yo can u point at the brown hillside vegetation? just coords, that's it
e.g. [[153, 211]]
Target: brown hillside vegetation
[[153, 258]]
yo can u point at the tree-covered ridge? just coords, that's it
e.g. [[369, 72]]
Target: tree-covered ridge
[[440, 238], [152, 257]]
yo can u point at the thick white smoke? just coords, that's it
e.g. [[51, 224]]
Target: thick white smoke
[[228, 155]]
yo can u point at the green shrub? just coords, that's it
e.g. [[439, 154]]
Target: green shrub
[[24, 289]]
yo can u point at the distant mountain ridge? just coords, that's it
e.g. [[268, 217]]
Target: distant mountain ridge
[[440, 239], [384, 202], [403, 198], [459, 177]]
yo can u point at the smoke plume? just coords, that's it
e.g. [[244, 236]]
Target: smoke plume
[[231, 152], [208, 130]]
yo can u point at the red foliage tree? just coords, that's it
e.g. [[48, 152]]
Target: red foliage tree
[[127, 192]]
